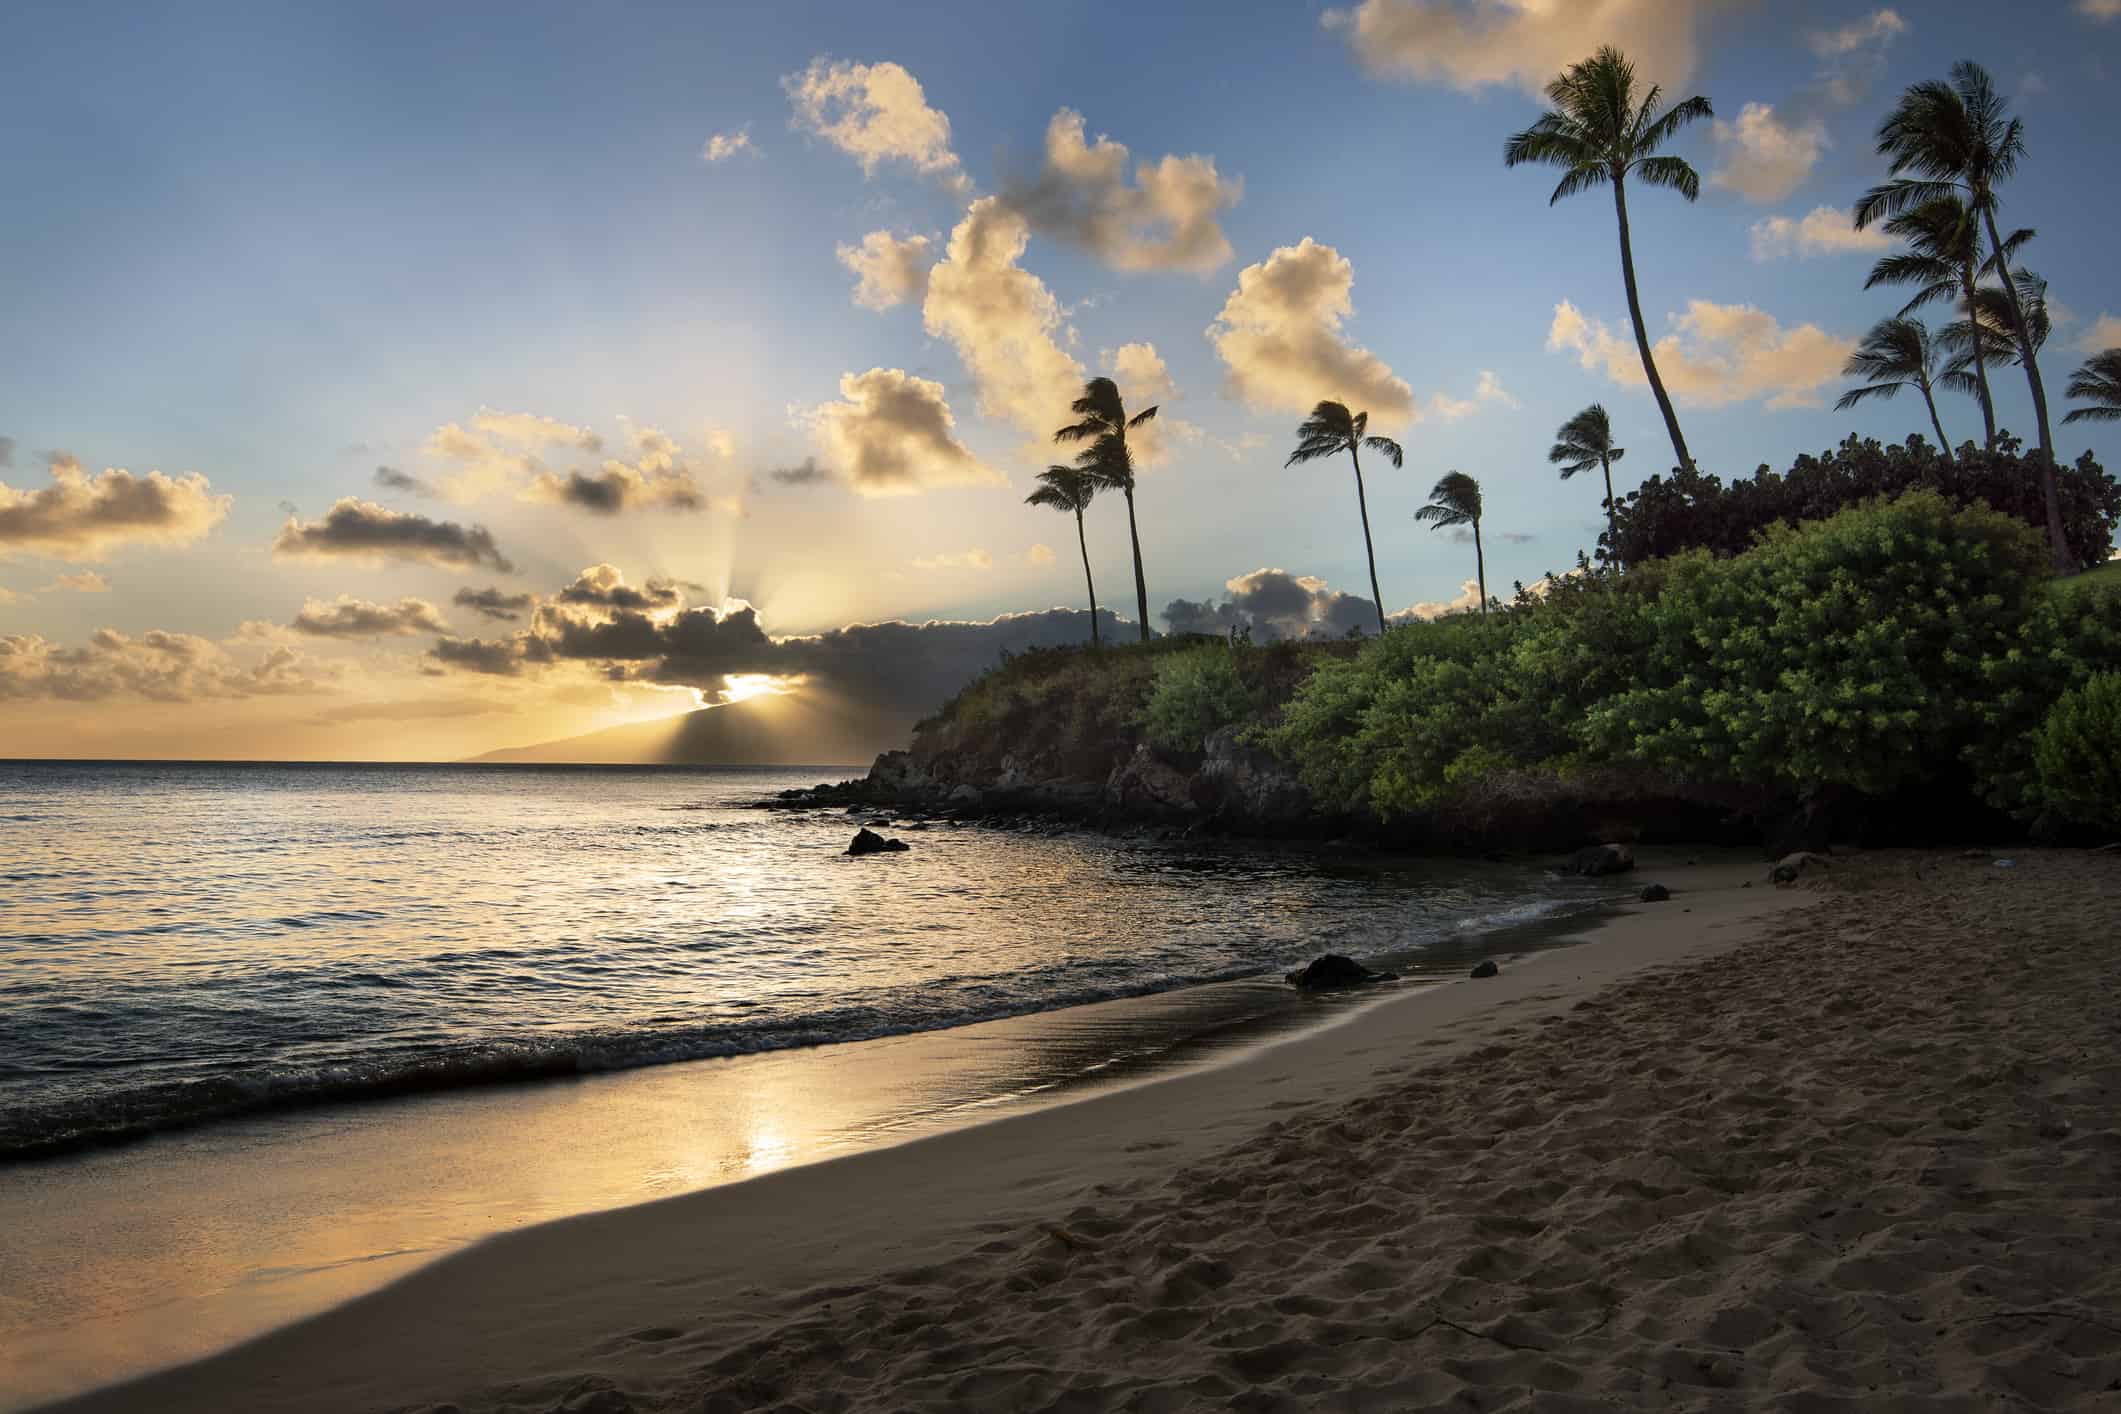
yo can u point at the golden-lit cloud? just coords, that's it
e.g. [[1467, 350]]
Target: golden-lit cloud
[[1144, 382], [2099, 11], [1464, 602], [1271, 604], [875, 113], [83, 517], [1166, 218], [86, 582], [723, 146], [1763, 157], [495, 603], [967, 560], [1716, 354], [495, 453], [349, 617], [1039, 555], [2104, 333], [604, 586], [1001, 319], [157, 666], [362, 530], [656, 478], [1280, 337], [1824, 230], [1521, 42], [1878, 27], [888, 270], [892, 434]]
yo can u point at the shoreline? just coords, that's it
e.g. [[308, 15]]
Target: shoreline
[[799, 1225]]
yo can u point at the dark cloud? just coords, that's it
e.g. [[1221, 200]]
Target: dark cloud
[[805, 473], [618, 486], [358, 618], [500, 657], [493, 603], [157, 665], [81, 517], [604, 586], [1273, 604], [363, 529], [392, 479]]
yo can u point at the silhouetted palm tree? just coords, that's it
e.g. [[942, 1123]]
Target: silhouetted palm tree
[[1986, 336], [1896, 354], [1104, 424], [1068, 488], [1585, 441], [1330, 430], [1943, 260], [1455, 500], [1960, 141], [1600, 132], [2097, 380]]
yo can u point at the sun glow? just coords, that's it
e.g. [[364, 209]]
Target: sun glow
[[742, 687]]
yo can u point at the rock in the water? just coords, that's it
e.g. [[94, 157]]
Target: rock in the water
[[1655, 893], [1487, 968], [1792, 867], [1333, 970], [1594, 860], [868, 841]]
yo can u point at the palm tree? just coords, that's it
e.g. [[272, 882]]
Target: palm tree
[[1068, 488], [2097, 379], [1104, 424], [1330, 430], [1599, 133], [1943, 261], [1959, 140], [1455, 500], [1896, 354], [1986, 337], [1585, 441]]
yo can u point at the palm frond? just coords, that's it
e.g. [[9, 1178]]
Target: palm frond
[[1881, 391], [1145, 415], [1386, 448], [2098, 380], [1454, 500], [1671, 172]]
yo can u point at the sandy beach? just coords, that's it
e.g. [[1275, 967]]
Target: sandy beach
[[1850, 1145]]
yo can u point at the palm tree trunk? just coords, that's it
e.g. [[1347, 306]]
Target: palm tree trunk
[[2057, 537], [1480, 563], [1988, 403], [1931, 401], [1642, 335], [1362, 503], [1141, 586], [1612, 523], [1088, 583]]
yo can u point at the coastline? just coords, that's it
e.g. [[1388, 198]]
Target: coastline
[[566, 1281]]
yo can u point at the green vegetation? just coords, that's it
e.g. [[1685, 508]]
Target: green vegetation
[[2077, 752], [1195, 693]]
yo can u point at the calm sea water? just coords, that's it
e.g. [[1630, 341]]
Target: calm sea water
[[180, 943]]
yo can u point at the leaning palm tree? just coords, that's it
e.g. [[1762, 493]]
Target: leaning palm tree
[[1104, 424], [1601, 132], [1330, 430], [1897, 354], [1585, 441], [1943, 261], [1068, 488], [1987, 336], [1959, 140], [1453, 501], [2098, 381]]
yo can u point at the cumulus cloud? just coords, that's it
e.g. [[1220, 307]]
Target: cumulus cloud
[[1878, 27], [1039, 555], [875, 113], [348, 617], [1274, 604], [363, 530], [806, 472], [1763, 157], [87, 582], [83, 517], [888, 271], [1717, 354], [1166, 218], [656, 477], [1825, 230], [1001, 320], [1145, 381], [723, 146], [2099, 11], [2104, 333], [501, 448], [1464, 602], [604, 586], [892, 434], [1280, 337], [158, 666], [1520, 42], [390, 478], [494, 603], [968, 560]]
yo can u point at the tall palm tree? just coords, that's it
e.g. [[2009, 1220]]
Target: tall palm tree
[[2098, 380], [1943, 261], [1986, 336], [1068, 488], [1330, 430], [1897, 354], [1455, 500], [1959, 140], [1102, 421], [1599, 132], [1585, 441]]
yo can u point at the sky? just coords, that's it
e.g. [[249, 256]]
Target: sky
[[407, 381]]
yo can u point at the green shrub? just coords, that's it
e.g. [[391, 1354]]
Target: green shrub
[[2077, 752], [1196, 692]]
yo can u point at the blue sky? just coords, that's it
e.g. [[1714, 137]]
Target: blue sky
[[280, 246]]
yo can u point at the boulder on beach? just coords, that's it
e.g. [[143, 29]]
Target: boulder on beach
[[1792, 867], [868, 841], [1655, 893], [1331, 971], [1595, 860], [1486, 968]]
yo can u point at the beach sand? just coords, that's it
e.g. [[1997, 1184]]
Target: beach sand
[[1851, 1145]]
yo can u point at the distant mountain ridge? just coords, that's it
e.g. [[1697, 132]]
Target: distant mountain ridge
[[789, 730]]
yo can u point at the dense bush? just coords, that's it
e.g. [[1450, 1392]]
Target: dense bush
[[1195, 693], [1690, 510], [2078, 753]]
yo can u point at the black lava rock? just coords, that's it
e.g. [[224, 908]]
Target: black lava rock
[[868, 841], [1655, 893], [1487, 968], [1332, 971]]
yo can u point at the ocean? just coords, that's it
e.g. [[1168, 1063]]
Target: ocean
[[181, 944]]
